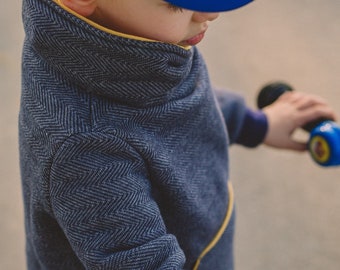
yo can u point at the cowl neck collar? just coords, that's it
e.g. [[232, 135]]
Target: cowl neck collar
[[126, 69]]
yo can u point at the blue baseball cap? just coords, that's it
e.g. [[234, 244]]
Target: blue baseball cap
[[209, 5]]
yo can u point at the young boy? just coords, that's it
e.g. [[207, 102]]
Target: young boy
[[123, 141]]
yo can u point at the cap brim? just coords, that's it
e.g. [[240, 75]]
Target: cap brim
[[209, 5]]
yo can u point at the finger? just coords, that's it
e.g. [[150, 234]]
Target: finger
[[314, 113], [297, 146], [309, 101], [302, 101], [288, 96]]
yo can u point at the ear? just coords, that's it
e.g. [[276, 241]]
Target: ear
[[82, 7]]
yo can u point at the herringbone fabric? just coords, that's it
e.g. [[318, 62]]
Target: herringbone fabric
[[124, 149]]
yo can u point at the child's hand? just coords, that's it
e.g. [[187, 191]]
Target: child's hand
[[293, 110]]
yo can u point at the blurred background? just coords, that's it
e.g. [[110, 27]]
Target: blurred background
[[288, 213]]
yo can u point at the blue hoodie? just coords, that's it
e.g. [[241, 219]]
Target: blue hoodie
[[123, 149]]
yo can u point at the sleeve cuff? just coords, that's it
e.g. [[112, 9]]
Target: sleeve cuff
[[254, 129]]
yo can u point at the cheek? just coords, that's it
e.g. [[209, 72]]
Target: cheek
[[171, 33], [170, 29]]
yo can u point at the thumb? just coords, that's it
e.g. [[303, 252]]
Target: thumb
[[297, 146]]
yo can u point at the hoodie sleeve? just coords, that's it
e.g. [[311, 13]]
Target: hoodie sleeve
[[102, 199], [245, 126]]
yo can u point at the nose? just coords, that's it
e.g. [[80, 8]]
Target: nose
[[205, 16]]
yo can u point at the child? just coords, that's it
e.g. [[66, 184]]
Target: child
[[123, 141]]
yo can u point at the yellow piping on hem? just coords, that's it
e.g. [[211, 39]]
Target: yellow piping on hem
[[107, 30], [221, 230]]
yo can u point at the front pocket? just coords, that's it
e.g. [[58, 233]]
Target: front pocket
[[223, 227]]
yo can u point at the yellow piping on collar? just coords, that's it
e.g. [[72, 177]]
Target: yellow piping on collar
[[107, 30]]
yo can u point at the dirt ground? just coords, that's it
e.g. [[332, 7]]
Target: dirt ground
[[287, 207]]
